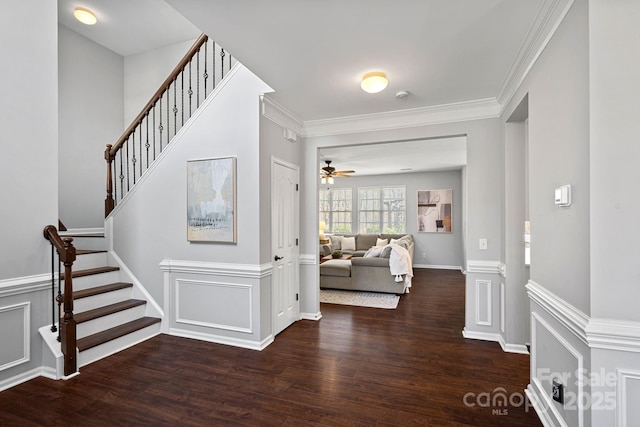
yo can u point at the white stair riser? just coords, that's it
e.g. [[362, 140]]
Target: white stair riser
[[94, 243], [100, 324], [85, 261], [114, 346], [94, 280], [100, 300]]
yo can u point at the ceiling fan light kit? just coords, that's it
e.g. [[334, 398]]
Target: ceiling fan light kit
[[374, 82], [328, 172]]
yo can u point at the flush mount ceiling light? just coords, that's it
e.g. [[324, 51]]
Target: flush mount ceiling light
[[85, 16], [374, 82]]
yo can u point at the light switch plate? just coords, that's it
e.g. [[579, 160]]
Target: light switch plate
[[482, 244]]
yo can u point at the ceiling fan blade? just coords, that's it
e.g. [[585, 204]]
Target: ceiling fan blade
[[343, 172]]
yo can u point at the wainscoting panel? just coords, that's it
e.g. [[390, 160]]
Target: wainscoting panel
[[218, 305], [628, 392], [15, 332], [502, 306], [484, 303]]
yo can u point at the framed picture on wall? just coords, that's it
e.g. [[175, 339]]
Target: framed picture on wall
[[434, 211], [211, 200]]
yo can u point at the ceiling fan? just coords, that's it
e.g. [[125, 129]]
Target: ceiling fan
[[328, 172]]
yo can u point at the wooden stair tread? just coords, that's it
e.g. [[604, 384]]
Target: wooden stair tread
[[117, 332], [85, 316], [91, 271], [83, 293], [89, 251]]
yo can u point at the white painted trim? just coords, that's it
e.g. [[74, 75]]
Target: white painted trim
[[512, 348], [503, 304], [569, 316], [311, 316], [280, 115], [250, 271], [484, 336], [488, 267], [617, 335], [535, 320], [502, 270], [548, 19], [400, 119], [137, 284], [23, 377], [26, 338], [622, 401], [89, 232], [26, 284], [539, 406], [489, 320], [220, 326], [438, 267], [176, 138], [308, 259], [218, 339]]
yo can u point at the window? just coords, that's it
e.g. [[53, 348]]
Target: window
[[382, 210], [335, 209]]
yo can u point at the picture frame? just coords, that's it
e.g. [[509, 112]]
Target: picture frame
[[435, 211], [211, 200]]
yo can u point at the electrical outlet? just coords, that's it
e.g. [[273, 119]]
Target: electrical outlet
[[424, 254], [557, 391], [482, 244]]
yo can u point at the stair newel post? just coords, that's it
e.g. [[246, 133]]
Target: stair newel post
[[68, 326], [109, 202]]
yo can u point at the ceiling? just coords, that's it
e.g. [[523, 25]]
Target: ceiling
[[313, 53]]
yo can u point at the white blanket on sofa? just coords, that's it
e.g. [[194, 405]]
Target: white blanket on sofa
[[400, 263]]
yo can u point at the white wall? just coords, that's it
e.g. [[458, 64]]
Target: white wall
[[90, 117], [143, 74], [150, 224], [437, 250], [29, 173]]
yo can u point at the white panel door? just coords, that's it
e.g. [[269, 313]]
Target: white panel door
[[285, 203]]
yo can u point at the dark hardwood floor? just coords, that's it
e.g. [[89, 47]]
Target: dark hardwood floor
[[355, 367]]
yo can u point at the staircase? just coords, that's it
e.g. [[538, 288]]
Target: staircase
[[108, 317]]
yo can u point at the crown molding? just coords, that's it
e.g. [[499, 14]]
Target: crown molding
[[549, 18], [280, 115], [413, 117]]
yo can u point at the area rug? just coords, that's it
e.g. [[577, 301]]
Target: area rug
[[363, 299]]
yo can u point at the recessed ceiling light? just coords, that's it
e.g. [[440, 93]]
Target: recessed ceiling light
[[85, 16], [374, 82]]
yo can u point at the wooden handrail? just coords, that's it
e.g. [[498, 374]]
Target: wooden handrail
[[156, 96], [67, 253]]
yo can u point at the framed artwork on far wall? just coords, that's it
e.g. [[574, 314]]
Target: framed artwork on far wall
[[211, 200], [434, 211]]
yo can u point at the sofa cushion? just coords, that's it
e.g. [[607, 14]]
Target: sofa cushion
[[336, 267], [349, 243], [365, 241]]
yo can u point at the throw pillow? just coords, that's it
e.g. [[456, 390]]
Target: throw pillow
[[386, 252], [348, 243], [374, 251], [382, 242], [336, 242]]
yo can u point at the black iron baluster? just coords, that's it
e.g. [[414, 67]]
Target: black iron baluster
[[222, 54], [133, 159], [59, 298], [147, 145], [213, 64], [198, 79], [190, 92], [154, 131], [127, 162], [54, 328], [160, 127], [115, 183], [205, 75], [182, 95], [168, 119], [121, 176], [175, 108], [140, 144]]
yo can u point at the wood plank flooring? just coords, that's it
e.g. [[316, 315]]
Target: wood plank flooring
[[355, 367]]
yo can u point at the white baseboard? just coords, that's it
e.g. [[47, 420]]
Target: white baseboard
[[539, 407], [512, 348], [311, 316], [438, 267], [488, 336], [21, 378], [219, 339]]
